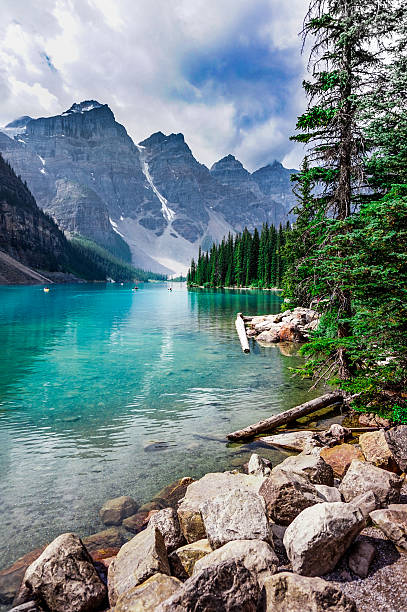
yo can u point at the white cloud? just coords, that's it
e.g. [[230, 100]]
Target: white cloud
[[143, 58]]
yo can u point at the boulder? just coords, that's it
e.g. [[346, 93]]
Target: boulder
[[139, 521], [171, 495], [373, 420], [257, 556], [237, 515], [167, 522], [106, 539], [269, 336], [320, 535], [208, 487], [286, 496], [310, 467], [393, 523], [12, 577], [396, 438], [361, 555], [340, 457], [336, 434], [63, 578], [147, 596], [366, 502], [376, 450], [363, 477], [137, 560], [294, 440], [258, 466], [182, 560], [226, 586], [287, 592], [328, 494], [115, 510], [291, 332]]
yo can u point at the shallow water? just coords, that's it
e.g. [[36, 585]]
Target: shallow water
[[92, 377]]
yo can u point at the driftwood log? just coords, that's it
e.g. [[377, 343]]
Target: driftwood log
[[286, 417], [241, 332]]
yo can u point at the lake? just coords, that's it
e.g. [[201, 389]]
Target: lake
[[106, 391]]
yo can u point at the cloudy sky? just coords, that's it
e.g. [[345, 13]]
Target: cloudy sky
[[226, 73]]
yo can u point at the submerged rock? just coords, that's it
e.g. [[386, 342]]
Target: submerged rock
[[12, 577], [115, 510], [237, 515], [320, 535], [64, 578], [137, 560], [226, 586], [287, 592]]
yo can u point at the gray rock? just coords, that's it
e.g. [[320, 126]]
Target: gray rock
[[238, 515], [336, 434], [167, 522], [310, 467], [30, 606], [366, 502], [361, 555], [258, 466], [63, 578], [257, 556], [142, 557], [115, 510], [148, 595], [393, 523], [362, 477], [396, 438], [296, 440], [269, 336], [208, 487], [320, 535], [328, 494], [287, 592], [287, 495], [226, 586]]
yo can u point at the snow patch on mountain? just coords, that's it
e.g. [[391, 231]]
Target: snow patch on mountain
[[167, 212]]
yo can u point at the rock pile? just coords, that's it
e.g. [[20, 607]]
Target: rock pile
[[229, 542], [288, 326]]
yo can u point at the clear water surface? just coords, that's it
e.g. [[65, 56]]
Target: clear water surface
[[94, 376]]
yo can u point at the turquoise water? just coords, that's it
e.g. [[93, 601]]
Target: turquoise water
[[92, 377]]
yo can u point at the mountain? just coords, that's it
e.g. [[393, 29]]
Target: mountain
[[152, 203], [34, 250]]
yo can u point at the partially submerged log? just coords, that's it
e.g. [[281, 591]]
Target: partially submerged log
[[241, 332], [286, 417]]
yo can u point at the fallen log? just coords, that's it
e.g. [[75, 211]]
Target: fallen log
[[241, 332], [286, 417]]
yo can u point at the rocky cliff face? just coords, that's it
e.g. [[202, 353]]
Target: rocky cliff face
[[26, 233], [153, 199]]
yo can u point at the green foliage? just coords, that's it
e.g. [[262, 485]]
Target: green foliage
[[246, 260], [93, 262]]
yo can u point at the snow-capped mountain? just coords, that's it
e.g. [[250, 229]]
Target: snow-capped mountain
[[153, 200]]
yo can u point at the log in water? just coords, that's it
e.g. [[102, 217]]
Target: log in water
[[241, 332], [286, 417]]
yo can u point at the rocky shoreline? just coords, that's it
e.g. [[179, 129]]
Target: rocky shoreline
[[323, 530], [288, 326]]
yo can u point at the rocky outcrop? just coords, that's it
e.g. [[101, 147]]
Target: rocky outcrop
[[64, 578], [142, 557], [288, 326], [238, 515], [288, 592], [363, 477], [226, 586], [320, 535]]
